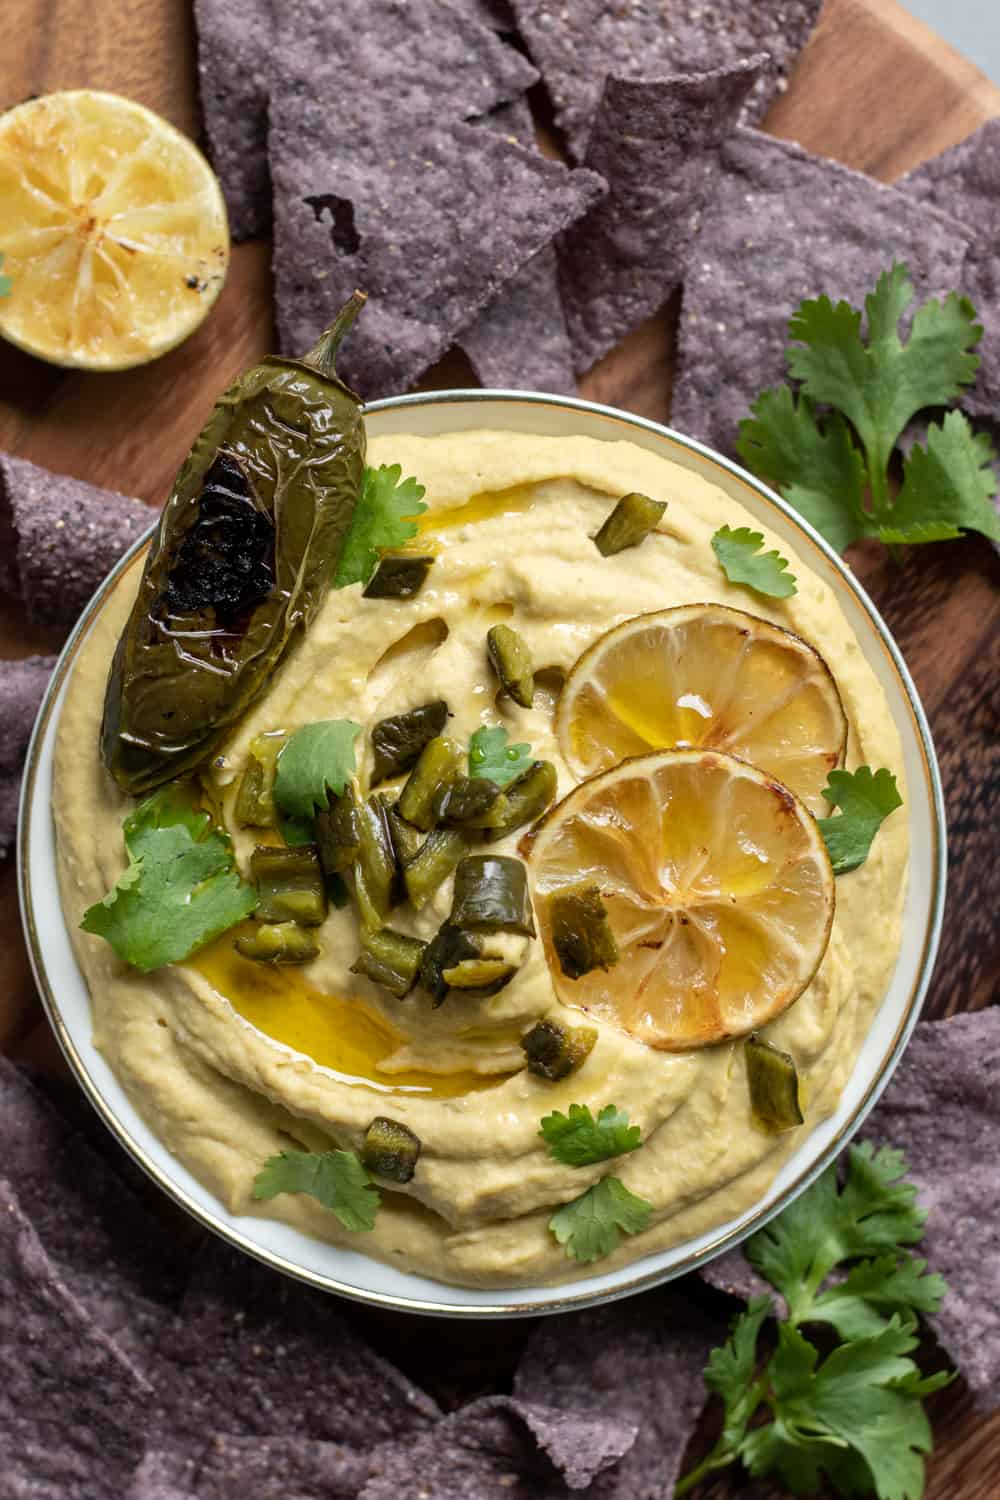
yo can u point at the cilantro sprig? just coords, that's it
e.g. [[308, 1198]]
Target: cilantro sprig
[[865, 798], [383, 517], [827, 445], [590, 1226], [577, 1139], [6, 282], [334, 1178], [317, 760], [743, 562], [181, 887], [492, 757], [854, 1416]]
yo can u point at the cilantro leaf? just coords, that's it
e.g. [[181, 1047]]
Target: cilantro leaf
[[881, 384], [767, 573], [577, 1139], [872, 1291], [490, 755], [181, 887], [819, 470], [874, 1214], [6, 282], [730, 1374], [335, 1178], [318, 759], [946, 487], [382, 518], [589, 1226], [865, 799]]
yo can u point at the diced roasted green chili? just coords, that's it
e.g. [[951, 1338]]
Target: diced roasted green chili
[[398, 741], [278, 943], [581, 932], [555, 1051], [441, 762], [774, 1086], [375, 866], [512, 663], [290, 885], [491, 891], [255, 795], [390, 959], [390, 1150], [430, 867], [336, 890], [485, 975], [398, 577], [448, 948], [631, 521], [406, 840], [338, 831], [468, 801], [525, 799]]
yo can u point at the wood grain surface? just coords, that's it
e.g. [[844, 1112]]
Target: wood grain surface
[[875, 89]]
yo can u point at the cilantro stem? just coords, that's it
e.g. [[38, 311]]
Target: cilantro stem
[[725, 1452]]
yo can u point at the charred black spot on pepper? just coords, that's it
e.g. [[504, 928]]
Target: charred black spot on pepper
[[227, 558]]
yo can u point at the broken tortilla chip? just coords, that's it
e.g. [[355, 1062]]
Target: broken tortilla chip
[[231, 1468], [72, 1407], [418, 231], [235, 40], [22, 687], [519, 341], [965, 183], [656, 143], [577, 46], [651, 1351], [63, 538], [782, 226]]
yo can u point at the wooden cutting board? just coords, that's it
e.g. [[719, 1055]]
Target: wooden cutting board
[[874, 89]]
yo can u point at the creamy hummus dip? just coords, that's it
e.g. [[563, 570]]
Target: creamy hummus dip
[[232, 1061]]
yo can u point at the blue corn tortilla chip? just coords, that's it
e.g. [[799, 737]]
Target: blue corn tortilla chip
[[22, 687], [657, 145], [942, 1110], [965, 182], [577, 46], [418, 231], [62, 536], [72, 1407], [235, 39], [283, 1362], [650, 1351], [782, 226], [519, 340], [229, 1468]]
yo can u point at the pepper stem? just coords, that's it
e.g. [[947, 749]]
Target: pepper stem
[[322, 355]]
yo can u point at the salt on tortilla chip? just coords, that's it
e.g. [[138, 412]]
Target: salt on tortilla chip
[[577, 46], [72, 1407], [231, 1468], [519, 341], [782, 226], [22, 687], [235, 40], [62, 536], [965, 182], [942, 1110], [254, 1354], [480, 1452], [650, 1351], [431, 233], [111, 1253], [656, 143]]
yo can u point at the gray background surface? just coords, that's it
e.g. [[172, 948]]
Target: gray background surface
[[973, 26]]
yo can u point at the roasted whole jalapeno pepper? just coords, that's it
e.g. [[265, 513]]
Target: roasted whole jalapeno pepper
[[241, 561]]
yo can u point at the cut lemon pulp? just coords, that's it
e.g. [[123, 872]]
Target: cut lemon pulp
[[113, 230], [717, 885], [705, 676]]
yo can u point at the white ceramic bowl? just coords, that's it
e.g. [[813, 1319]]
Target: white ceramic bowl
[[357, 1275]]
